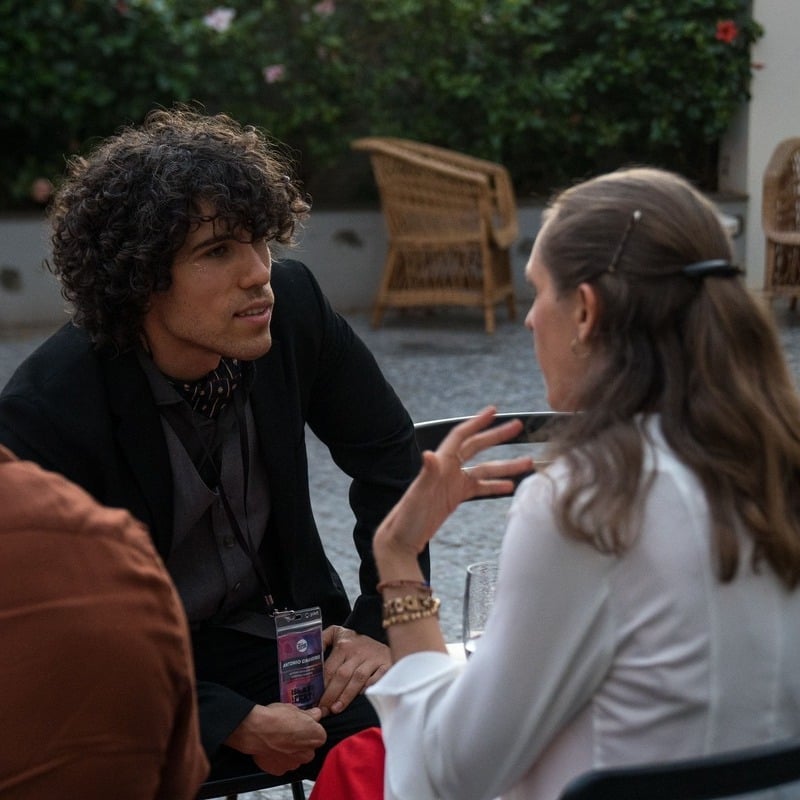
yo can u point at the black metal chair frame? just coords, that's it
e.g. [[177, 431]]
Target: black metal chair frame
[[231, 787], [537, 427], [431, 432], [724, 775]]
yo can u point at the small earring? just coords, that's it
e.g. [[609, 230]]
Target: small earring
[[575, 348]]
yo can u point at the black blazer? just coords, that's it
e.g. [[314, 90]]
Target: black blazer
[[92, 418]]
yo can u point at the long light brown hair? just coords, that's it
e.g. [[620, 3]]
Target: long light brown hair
[[701, 352]]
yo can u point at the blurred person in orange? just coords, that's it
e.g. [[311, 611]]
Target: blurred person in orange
[[96, 677]]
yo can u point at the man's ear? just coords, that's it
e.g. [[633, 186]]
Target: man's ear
[[587, 311]]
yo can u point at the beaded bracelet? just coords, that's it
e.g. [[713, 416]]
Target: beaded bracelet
[[409, 608]]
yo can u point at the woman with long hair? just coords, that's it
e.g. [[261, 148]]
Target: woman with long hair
[[647, 604]]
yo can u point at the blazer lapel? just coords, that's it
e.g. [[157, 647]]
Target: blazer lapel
[[275, 425], [142, 444], [270, 403]]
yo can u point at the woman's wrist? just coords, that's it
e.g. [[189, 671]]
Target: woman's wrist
[[405, 583]]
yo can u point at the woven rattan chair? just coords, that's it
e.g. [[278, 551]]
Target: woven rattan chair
[[780, 218], [451, 220]]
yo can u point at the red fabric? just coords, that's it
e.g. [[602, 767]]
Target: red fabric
[[353, 770]]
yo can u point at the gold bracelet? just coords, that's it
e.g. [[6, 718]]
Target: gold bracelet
[[409, 608]]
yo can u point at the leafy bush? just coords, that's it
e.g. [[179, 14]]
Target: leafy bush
[[553, 89]]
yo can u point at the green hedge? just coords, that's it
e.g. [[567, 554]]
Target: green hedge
[[554, 90]]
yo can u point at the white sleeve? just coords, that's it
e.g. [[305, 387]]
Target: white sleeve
[[473, 731]]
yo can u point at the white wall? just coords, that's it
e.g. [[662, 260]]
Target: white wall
[[344, 249], [29, 294], [772, 115]]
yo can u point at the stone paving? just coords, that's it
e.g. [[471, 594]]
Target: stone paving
[[441, 364]]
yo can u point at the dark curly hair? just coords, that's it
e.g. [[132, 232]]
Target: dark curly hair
[[124, 211]]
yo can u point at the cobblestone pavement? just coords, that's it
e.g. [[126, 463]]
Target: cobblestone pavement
[[441, 364]]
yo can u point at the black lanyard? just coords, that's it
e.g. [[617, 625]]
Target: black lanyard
[[211, 473]]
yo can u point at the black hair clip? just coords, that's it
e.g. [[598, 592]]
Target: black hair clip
[[715, 268]]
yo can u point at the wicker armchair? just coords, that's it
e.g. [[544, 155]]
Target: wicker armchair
[[780, 218], [451, 220]]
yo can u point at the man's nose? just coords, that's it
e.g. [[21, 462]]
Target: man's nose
[[258, 266]]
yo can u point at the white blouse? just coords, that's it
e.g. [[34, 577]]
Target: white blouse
[[590, 660]]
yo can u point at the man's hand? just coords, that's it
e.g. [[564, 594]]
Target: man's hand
[[354, 662], [279, 736]]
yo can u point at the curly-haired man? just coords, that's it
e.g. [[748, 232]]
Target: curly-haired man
[[181, 389]]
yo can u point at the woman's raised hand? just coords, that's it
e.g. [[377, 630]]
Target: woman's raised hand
[[444, 481]]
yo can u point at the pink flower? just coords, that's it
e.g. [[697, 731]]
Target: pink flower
[[41, 190], [274, 73], [726, 31], [325, 8], [219, 19]]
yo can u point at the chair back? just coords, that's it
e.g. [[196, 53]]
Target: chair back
[[712, 777], [230, 788], [537, 426], [427, 202], [430, 193], [780, 218], [537, 429]]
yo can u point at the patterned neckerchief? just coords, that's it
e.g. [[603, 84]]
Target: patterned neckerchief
[[211, 393]]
